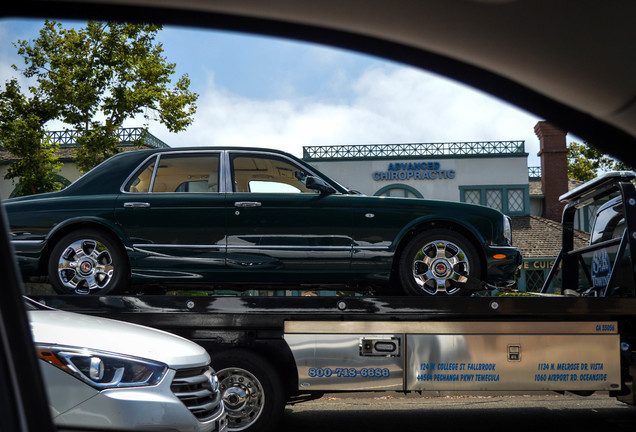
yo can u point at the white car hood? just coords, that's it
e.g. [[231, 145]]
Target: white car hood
[[84, 331]]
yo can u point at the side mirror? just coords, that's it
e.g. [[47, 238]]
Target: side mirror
[[318, 184]]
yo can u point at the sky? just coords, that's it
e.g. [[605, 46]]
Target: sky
[[267, 92]]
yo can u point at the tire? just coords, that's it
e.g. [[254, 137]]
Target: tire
[[88, 261], [251, 389], [439, 262]]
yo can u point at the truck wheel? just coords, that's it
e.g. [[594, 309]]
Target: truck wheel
[[251, 390], [438, 262], [88, 262]]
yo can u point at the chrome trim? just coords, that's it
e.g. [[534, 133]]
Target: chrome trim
[[234, 246], [28, 242], [136, 205], [174, 246], [244, 204], [372, 247], [198, 389], [158, 157], [457, 327], [225, 171], [154, 173]]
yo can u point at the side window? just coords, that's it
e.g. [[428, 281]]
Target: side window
[[609, 224], [267, 173], [141, 183], [196, 172]]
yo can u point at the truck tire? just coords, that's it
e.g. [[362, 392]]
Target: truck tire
[[88, 261], [438, 262], [251, 389]]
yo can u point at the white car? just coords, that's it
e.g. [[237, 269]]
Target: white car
[[110, 374]]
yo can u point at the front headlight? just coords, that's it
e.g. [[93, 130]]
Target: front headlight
[[103, 370], [507, 230]]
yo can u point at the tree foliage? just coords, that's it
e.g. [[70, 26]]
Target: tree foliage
[[586, 162], [93, 79], [22, 133]]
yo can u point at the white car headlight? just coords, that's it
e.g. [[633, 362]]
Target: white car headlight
[[103, 370], [507, 230]]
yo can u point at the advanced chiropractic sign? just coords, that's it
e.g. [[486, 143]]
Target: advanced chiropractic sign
[[414, 171]]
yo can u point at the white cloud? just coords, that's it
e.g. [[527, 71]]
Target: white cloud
[[384, 104], [389, 105]]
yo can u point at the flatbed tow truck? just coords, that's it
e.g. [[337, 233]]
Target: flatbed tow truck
[[270, 351]]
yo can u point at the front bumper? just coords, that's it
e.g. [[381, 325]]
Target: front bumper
[[156, 408], [502, 264]]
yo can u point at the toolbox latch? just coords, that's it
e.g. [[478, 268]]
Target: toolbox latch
[[380, 347], [514, 352]]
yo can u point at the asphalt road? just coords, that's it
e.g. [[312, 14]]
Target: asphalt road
[[396, 412]]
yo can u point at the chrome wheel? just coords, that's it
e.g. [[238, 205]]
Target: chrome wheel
[[243, 396], [85, 266], [439, 266]]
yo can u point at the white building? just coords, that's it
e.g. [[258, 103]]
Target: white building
[[493, 173]]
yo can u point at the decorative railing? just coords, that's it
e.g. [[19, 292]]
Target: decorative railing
[[534, 172], [481, 148], [127, 136]]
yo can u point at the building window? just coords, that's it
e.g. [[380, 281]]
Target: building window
[[515, 200], [399, 190], [473, 197], [493, 199], [512, 200], [535, 280]]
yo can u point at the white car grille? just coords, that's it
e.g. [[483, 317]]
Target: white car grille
[[198, 389]]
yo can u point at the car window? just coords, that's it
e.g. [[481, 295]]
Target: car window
[[141, 182], [194, 172], [272, 186], [609, 224], [267, 173]]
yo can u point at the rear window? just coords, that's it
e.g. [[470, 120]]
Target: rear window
[[609, 224]]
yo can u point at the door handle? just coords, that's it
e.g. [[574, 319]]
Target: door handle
[[136, 205], [244, 204]]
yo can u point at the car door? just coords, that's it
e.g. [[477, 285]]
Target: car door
[[279, 230], [172, 212]]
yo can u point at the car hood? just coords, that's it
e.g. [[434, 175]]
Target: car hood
[[72, 329]]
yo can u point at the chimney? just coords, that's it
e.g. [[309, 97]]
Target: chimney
[[554, 168]]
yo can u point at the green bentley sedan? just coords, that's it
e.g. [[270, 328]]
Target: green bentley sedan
[[248, 217]]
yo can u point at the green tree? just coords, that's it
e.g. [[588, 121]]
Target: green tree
[[22, 133], [586, 162], [103, 74]]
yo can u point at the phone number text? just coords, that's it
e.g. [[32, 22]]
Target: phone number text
[[349, 372]]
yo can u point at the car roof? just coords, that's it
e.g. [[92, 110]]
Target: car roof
[[570, 63]]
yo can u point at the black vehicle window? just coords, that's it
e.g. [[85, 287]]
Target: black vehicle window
[[267, 174], [609, 224]]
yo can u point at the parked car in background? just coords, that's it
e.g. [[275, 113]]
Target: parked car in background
[[249, 216], [101, 373]]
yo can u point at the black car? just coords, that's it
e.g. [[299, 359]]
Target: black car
[[248, 217]]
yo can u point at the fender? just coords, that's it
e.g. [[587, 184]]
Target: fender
[[88, 220], [416, 223]]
